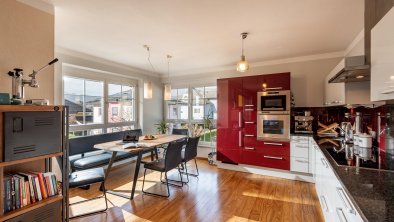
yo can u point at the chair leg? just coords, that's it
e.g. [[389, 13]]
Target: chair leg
[[155, 194], [187, 174], [179, 181], [152, 157], [191, 174], [156, 154]]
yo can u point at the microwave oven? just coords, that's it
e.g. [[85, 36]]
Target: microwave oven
[[274, 102]]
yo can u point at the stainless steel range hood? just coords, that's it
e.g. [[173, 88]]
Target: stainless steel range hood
[[354, 69]]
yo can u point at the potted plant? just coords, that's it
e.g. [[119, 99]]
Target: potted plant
[[161, 127]]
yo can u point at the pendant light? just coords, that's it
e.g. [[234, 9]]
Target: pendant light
[[243, 65], [148, 84], [167, 87]]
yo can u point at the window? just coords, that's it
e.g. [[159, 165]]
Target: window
[[178, 106], [87, 113], [200, 109]]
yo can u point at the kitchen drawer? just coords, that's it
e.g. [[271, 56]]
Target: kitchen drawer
[[276, 161], [298, 164], [274, 148], [300, 139], [250, 142], [299, 150], [251, 157], [250, 128]]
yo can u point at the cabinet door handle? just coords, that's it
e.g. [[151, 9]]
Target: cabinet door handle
[[274, 88], [239, 139], [302, 147], [345, 201], [324, 203], [249, 135], [274, 144], [273, 157], [389, 91], [341, 215], [249, 109], [239, 120], [249, 122], [249, 105], [249, 148], [302, 161]]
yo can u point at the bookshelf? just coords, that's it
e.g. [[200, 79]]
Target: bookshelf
[[40, 159]]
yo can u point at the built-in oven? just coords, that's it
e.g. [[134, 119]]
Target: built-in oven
[[276, 127], [274, 102]]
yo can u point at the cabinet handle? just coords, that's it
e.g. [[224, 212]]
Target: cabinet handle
[[324, 162], [249, 109], [274, 144], [249, 148], [302, 161], [249, 135], [239, 120], [341, 215], [240, 139], [249, 122], [324, 203], [274, 88], [302, 147], [345, 201], [273, 157], [389, 91], [249, 105]]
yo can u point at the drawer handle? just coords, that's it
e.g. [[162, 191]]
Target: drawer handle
[[302, 161], [249, 135], [345, 201], [249, 148], [274, 144], [302, 147], [341, 215], [249, 122], [240, 138], [324, 203], [239, 120], [273, 157], [249, 109], [249, 105]]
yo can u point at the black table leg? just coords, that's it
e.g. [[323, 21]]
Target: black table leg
[[136, 173]]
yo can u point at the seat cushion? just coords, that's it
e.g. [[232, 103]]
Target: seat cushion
[[76, 157], [157, 165], [86, 177], [92, 161]]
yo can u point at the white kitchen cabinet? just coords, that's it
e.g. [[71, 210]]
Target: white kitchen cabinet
[[382, 59], [334, 93], [299, 154]]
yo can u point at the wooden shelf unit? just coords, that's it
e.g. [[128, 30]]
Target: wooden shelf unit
[[36, 163]]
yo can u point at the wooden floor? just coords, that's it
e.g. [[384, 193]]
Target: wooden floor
[[216, 195]]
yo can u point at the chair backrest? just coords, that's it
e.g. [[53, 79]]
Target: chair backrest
[[180, 132], [173, 155], [85, 144], [191, 148]]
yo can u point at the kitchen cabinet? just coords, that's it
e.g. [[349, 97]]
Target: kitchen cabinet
[[299, 154], [278, 81], [229, 122], [382, 59], [250, 87], [334, 93]]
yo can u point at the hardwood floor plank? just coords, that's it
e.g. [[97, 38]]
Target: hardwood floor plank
[[216, 195]]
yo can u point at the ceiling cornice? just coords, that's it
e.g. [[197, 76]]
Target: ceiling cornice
[[72, 53]]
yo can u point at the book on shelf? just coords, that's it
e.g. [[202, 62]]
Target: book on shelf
[[22, 189]]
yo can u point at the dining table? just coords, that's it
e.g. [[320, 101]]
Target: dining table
[[144, 144]]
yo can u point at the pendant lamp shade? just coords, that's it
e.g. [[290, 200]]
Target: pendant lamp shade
[[148, 90], [167, 92], [243, 64]]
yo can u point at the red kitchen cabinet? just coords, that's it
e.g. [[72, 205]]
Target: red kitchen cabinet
[[276, 162], [278, 81], [250, 87], [229, 122]]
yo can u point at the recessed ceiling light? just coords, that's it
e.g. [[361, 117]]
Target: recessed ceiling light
[[359, 77]]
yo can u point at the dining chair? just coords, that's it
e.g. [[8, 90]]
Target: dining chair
[[180, 132], [190, 153], [87, 178], [172, 160]]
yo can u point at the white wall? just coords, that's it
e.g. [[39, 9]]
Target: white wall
[[150, 110], [27, 42], [307, 78]]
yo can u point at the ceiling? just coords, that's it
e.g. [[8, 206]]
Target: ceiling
[[205, 34]]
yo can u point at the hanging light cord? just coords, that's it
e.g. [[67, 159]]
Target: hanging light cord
[[168, 66], [151, 65]]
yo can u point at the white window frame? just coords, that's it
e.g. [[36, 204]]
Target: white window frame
[[106, 79]]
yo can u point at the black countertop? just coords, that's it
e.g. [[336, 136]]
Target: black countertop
[[371, 190]]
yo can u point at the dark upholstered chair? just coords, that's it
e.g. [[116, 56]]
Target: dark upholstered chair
[[190, 153], [180, 132], [86, 178], [171, 161]]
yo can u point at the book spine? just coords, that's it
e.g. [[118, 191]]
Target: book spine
[[38, 188], [32, 195], [54, 184], [42, 186], [8, 195], [35, 188], [17, 193], [27, 192], [13, 193]]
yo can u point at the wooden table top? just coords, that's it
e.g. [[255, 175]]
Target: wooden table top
[[145, 144]]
